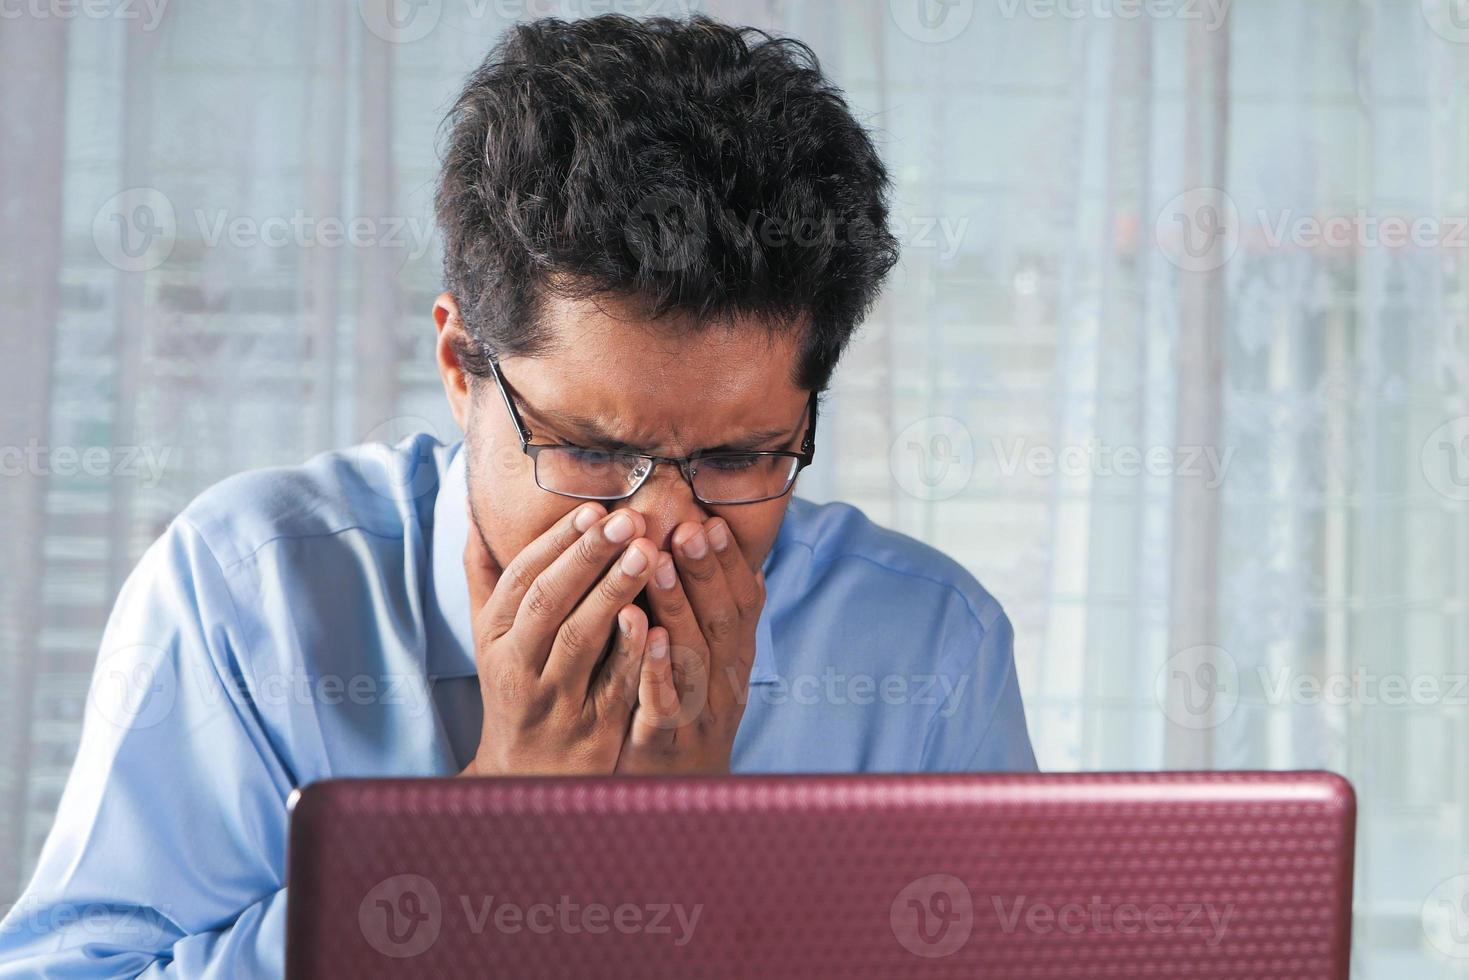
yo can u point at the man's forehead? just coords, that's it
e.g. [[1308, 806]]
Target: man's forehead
[[619, 331], [610, 378]]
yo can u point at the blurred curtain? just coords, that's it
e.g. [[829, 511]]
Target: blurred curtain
[[1151, 367]]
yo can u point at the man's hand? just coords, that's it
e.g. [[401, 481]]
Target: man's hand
[[552, 704], [696, 671]]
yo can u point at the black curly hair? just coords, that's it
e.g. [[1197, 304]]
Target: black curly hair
[[690, 166]]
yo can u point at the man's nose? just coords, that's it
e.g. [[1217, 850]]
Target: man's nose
[[665, 500]]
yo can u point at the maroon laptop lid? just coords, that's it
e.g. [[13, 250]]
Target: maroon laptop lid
[[1203, 876]]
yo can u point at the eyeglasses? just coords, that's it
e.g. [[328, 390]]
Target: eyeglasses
[[716, 478]]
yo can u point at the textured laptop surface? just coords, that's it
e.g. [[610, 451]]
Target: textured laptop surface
[[1203, 876]]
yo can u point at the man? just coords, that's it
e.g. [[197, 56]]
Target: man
[[658, 238]]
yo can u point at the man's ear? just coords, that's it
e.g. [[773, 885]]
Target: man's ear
[[451, 336]]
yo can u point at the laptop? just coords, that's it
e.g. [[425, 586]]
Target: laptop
[[1199, 875]]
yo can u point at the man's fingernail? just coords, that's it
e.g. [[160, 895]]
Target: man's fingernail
[[697, 546], [719, 536], [619, 529], [665, 575], [585, 518], [659, 648], [634, 562]]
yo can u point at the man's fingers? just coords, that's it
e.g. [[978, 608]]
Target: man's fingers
[[745, 584], [544, 616], [658, 716], [616, 685], [533, 559], [582, 637], [708, 592], [670, 605]]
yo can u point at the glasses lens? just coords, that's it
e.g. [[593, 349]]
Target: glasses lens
[[588, 473], [735, 478]]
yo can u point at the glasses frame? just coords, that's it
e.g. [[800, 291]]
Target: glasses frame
[[687, 465]]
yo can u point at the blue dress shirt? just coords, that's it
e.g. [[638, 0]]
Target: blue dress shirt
[[300, 623]]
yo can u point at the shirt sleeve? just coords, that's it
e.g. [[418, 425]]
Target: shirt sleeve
[[978, 724], [168, 851]]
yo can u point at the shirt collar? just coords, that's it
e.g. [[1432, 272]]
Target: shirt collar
[[447, 617]]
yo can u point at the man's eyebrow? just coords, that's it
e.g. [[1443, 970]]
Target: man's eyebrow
[[590, 434]]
